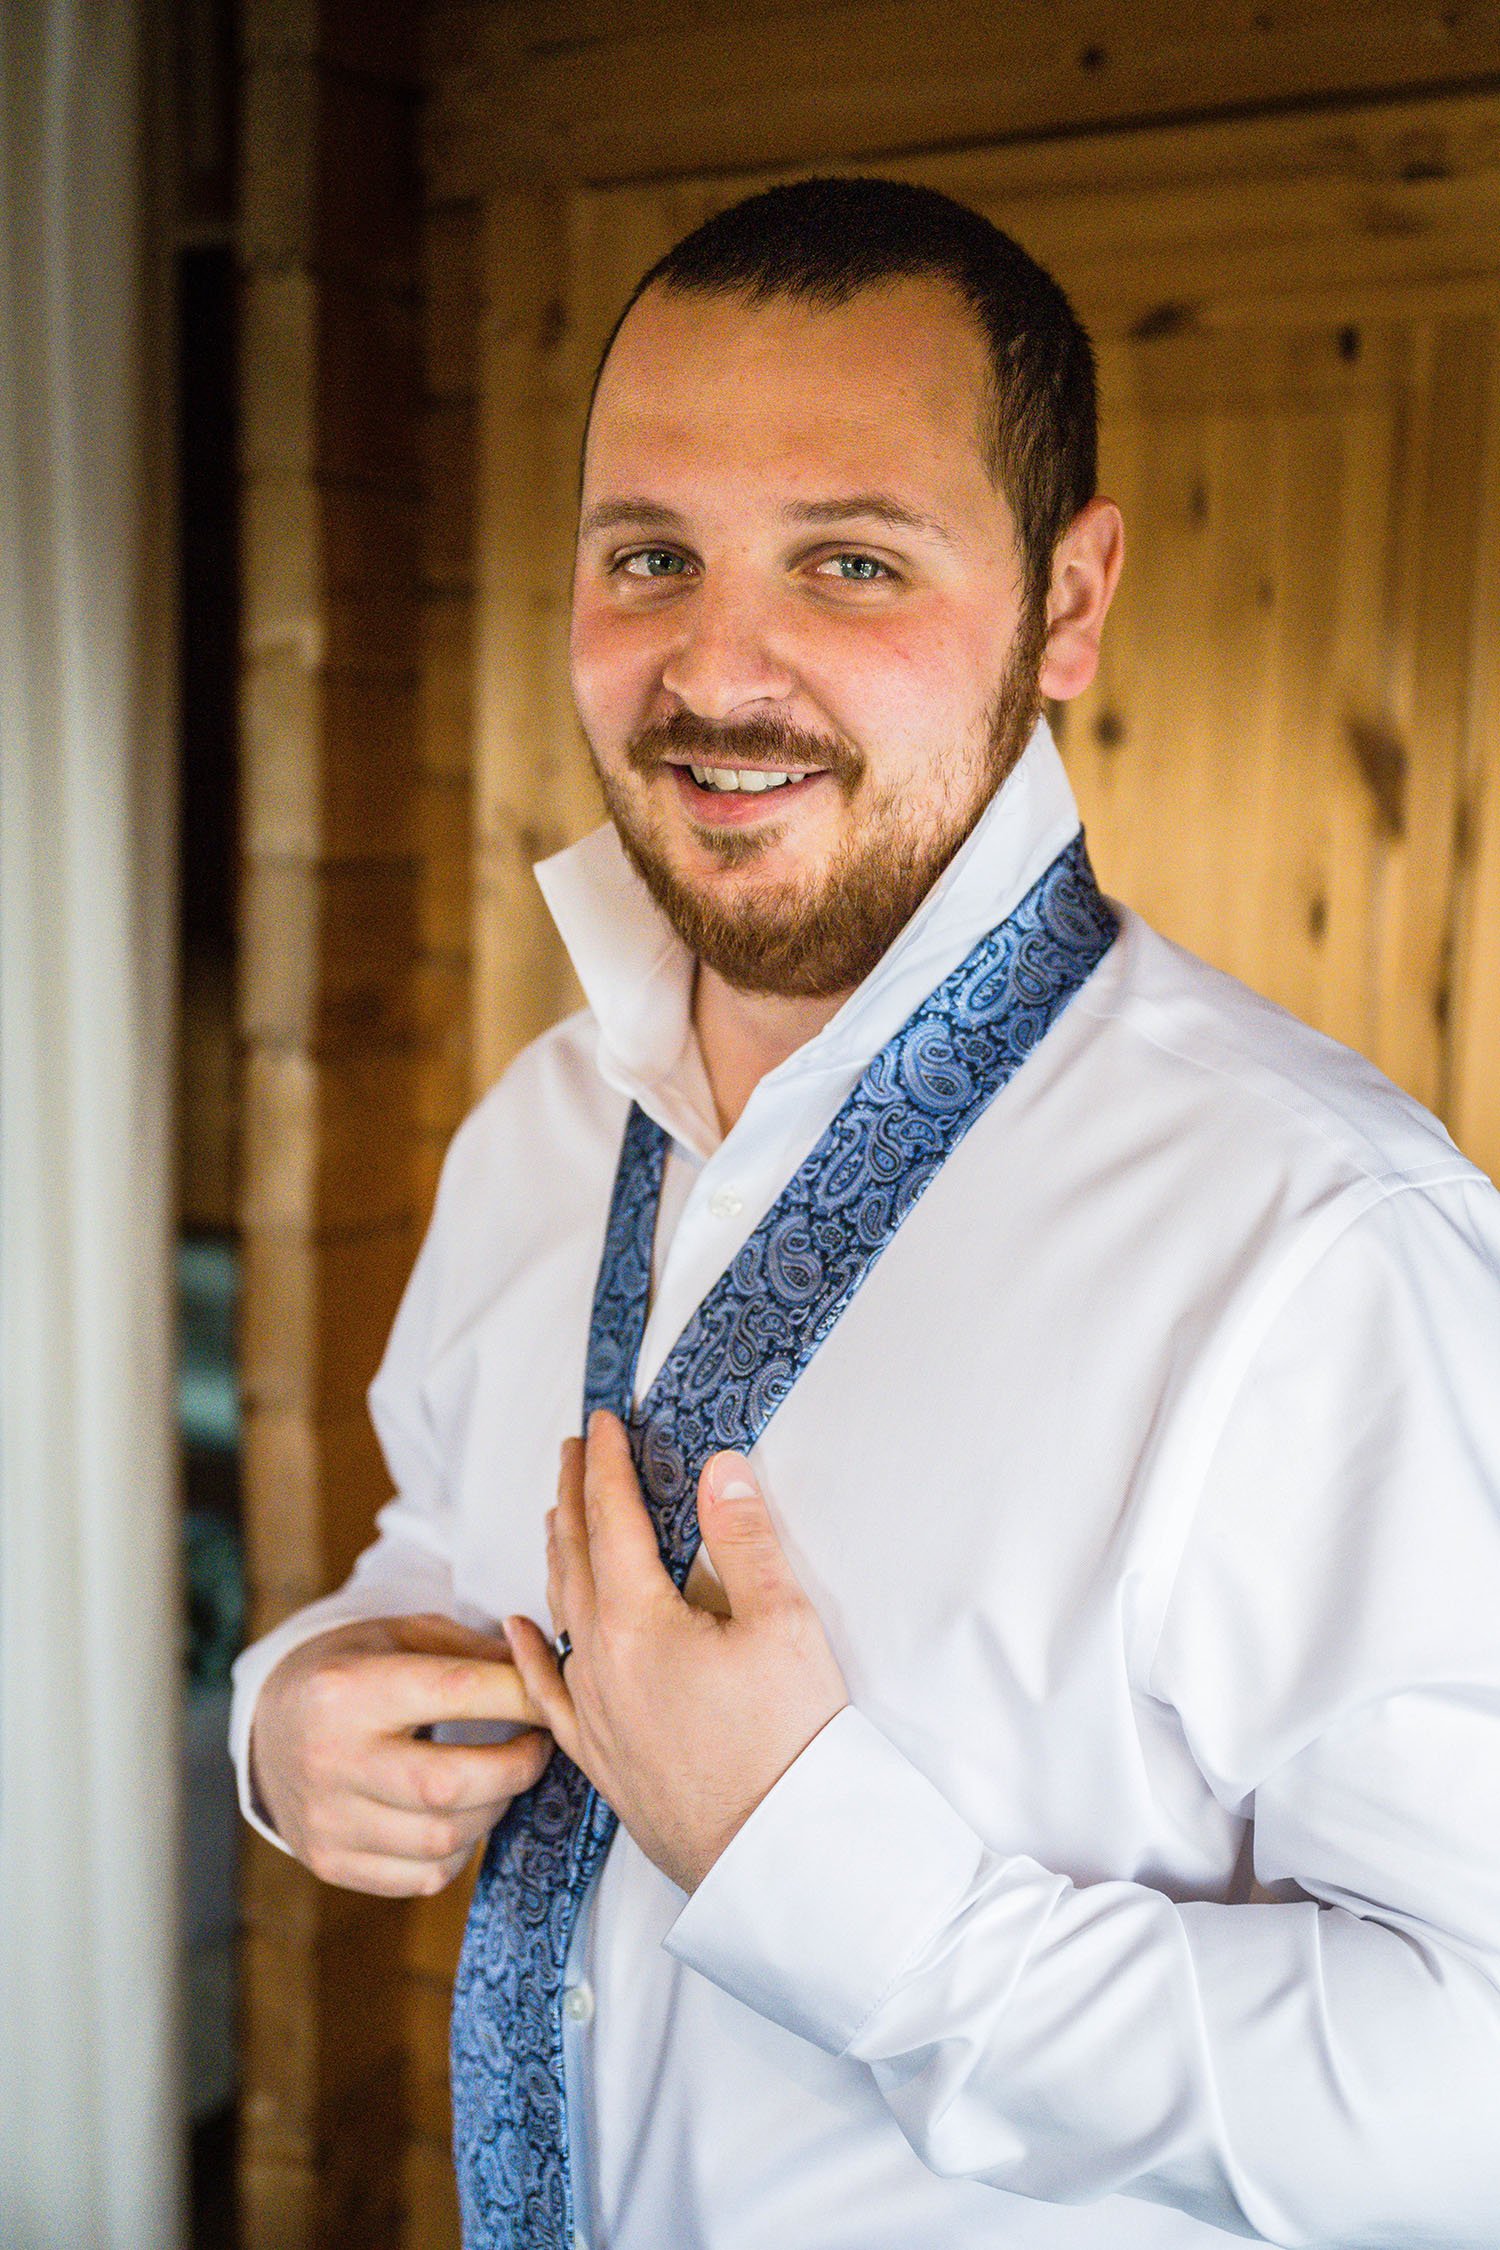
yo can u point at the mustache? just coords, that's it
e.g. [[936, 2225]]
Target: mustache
[[749, 743]]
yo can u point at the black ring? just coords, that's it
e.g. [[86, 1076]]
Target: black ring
[[562, 1647]]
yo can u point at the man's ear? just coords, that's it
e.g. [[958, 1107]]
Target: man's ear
[[1085, 572]]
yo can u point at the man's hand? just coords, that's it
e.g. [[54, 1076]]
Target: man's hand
[[349, 1785], [682, 1719]]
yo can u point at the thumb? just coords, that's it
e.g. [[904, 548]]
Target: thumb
[[742, 1544]]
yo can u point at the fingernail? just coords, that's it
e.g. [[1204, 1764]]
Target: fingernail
[[735, 1484]]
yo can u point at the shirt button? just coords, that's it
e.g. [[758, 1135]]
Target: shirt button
[[728, 1203], [578, 2003]]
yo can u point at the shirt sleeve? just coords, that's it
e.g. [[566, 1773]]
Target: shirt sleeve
[[1316, 2066], [408, 1568]]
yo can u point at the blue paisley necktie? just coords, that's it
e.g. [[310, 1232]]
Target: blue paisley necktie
[[730, 1369]]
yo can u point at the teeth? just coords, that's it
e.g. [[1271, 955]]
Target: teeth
[[752, 780]]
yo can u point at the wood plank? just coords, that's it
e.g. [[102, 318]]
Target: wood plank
[[329, 952], [1474, 1054], [368, 207], [371, 536], [443, 1091], [317, 1314], [450, 466], [432, 2221], [329, 444], [451, 241], [279, 386], [279, 93], [329, 752], [429, 1148], [516, 977], [435, 1928], [445, 691], [428, 2007], [644, 91], [375, 37], [444, 836], [369, 384], [1430, 655], [319, 1479], [320, 2113], [312, 1159]]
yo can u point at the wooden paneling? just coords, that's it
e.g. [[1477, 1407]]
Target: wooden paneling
[[579, 90], [450, 364], [526, 804], [1472, 1099], [329, 927], [1270, 763]]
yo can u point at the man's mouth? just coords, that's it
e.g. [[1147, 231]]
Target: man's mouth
[[750, 781], [717, 797]]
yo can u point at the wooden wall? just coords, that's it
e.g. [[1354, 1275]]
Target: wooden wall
[[393, 253], [332, 515]]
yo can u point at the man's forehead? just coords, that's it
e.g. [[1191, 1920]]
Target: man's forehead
[[859, 378], [910, 315]]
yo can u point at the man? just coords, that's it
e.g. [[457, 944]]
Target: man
[[1062, 1805]]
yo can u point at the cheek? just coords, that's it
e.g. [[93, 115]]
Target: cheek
[[898, 686], [613, 663]]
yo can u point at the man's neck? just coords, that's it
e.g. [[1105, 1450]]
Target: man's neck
[[743, 1035]]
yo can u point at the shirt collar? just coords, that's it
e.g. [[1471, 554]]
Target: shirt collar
[[637, 975]]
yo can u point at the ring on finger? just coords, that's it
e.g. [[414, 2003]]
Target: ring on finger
[[562, 1647]]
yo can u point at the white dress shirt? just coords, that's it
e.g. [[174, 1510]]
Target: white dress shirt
[[1150, 1884]]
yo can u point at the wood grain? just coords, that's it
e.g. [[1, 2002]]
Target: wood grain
[[329, 926], [584, 93]]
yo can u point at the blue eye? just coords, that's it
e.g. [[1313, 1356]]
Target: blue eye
[[652, 562], [857, 570]]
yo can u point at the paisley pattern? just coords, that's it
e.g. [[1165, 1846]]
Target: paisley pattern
[[732, 1366]]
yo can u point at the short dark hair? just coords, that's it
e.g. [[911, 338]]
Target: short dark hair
[[822, 240]]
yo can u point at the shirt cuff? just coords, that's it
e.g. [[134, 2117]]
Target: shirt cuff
[[837, 1880]]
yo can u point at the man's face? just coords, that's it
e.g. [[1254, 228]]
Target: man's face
[[798, 646]]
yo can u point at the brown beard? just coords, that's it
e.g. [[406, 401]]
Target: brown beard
[[816, 940]]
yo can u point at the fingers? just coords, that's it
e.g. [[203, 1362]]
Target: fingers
[[410, 1689], [408, 1850], [432, 1634], [618, 1534], [741, 1539], [545, 1683], [384, 1832], [382, 1876], [440, 1777], [570, 1574]]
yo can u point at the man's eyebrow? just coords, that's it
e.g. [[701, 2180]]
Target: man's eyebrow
[[868, 507], [639, 514]]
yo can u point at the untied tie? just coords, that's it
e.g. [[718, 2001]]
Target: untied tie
[[733, 1365]]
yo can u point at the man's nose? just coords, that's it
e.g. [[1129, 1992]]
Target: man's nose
[[725, 660]]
